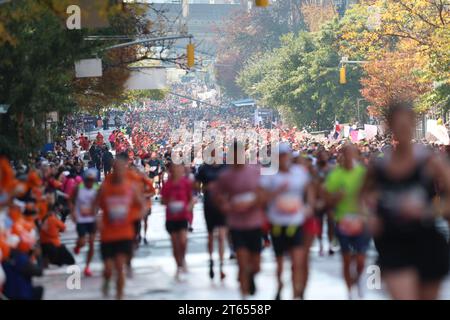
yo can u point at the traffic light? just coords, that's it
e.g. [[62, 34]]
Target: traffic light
[[261, 3], [342, 75], [190, 55]]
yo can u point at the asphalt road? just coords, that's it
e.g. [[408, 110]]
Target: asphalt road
[[154, 269]]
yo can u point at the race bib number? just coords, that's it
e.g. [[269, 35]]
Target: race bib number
[[243, 201], [288, 204], [86, 211], [176, 207], [351, 225], [412, 204], [118, 213]]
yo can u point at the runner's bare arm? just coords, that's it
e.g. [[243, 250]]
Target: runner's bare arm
[[367, 202], [367, 195], [310, 198], [72, 205], [139, 199], [440, 170], [96, 206]]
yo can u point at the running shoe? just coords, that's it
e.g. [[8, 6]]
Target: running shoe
[[222, 274], [252, 285], [87, 272], [105, 288], [211, 269], [359, 288]]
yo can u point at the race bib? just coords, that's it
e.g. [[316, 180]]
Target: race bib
[[153, 169], [86, 211], [243, 201], [288, 204], [351, 225], [118, 213], [176, 207], [412, 204]]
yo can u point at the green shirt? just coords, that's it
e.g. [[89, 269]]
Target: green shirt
[[349, 182]]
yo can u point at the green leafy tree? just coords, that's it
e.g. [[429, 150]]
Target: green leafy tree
[[300, 79], [37, 55], [250, 33]]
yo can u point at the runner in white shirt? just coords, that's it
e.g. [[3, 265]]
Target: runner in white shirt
[[83, 215], [287, 210]]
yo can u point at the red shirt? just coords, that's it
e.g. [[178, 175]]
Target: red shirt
[[178, 195]]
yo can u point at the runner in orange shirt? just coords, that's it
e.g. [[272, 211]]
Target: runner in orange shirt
[[148, 192], [137, 209], [116, 198], [53, 251]]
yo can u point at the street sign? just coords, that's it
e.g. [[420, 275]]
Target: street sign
[[88, 68], [4, 108]]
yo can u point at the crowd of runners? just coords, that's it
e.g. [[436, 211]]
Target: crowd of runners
[[390, 195]]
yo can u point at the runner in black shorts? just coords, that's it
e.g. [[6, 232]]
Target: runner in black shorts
[[247, 239], [239, 195], [109, 250], [83, 214], [177, 196], [215, 220], [176, 226], [285, 193], [413, 254]]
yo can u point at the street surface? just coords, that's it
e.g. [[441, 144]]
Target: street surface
[[154, 270]]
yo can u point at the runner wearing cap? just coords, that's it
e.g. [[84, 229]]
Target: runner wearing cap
[[285, 192]]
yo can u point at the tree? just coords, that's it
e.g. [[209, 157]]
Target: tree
[[37, 55], [137, 96], [417, 29], [300, 79], [247, 34], [316, 13], [394, 77]]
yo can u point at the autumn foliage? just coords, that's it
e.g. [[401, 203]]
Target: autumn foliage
[[393, 77]]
